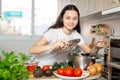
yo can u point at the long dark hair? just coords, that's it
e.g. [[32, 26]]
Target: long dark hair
[[59, 22]]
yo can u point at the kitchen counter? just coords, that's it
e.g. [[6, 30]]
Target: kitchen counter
[[97, 77], [44, 78]]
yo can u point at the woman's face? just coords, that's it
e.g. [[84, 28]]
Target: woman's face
[[70, 19]]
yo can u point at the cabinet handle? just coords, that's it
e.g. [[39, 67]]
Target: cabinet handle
[[115, 1], [91, 5]]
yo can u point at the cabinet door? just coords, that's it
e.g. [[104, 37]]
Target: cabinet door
[[95, 6], [66, 2], [62, 4], [82, 5], [111, 3], [87, 7]]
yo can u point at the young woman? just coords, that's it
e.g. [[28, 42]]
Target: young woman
[[67, 27]]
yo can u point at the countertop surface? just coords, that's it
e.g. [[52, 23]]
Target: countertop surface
[[91, 77], [44, 78]]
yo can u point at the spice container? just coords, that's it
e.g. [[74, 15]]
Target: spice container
[[31, 66]]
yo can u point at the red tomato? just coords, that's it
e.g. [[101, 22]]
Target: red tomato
[[45, 67], [77, 72], [70, 67], [60, 71], [68, 72]]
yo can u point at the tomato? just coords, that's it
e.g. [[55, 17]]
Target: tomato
[[70, 68], [45, 67], [68, 71], [60, 71], [77, 72]]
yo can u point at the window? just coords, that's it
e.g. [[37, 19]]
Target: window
[[26, 17], [45, 15]]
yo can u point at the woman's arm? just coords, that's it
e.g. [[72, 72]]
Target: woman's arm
[[85, 48], [41, 46], [100, 44]]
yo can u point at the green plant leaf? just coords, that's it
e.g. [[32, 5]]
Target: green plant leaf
[[12, 66]]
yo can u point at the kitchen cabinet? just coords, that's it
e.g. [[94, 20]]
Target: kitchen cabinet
[[111, 4], [62, 4], [87, 7], [82, 6], [95, 6]]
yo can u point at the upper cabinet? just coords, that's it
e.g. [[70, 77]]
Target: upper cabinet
[[82, 6], [111, 4], [62, 4], [95, 6], [88, 7]]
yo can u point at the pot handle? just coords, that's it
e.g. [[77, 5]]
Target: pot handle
[[93, 58]]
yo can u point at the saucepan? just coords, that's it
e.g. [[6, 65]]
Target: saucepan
[[81, 60]]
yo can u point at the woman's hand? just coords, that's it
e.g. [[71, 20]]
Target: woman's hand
[[62, 43], [100, 44], [60, 46]]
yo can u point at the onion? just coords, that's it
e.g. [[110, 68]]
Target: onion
[[92, 69], [99, 67]]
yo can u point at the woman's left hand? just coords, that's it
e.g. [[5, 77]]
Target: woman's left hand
[[100, 44]]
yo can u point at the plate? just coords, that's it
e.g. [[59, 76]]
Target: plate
[[84, 75]]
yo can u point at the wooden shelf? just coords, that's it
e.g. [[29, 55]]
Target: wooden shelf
[[99, 29]]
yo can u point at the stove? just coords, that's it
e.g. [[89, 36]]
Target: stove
[[115, 59], [115, 64]]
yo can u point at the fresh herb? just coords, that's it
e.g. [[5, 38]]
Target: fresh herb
[[12, 66]]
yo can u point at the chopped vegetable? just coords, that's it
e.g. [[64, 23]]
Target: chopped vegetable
[[55, 66]]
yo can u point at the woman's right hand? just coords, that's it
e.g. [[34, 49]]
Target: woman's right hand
[[62, 43]]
